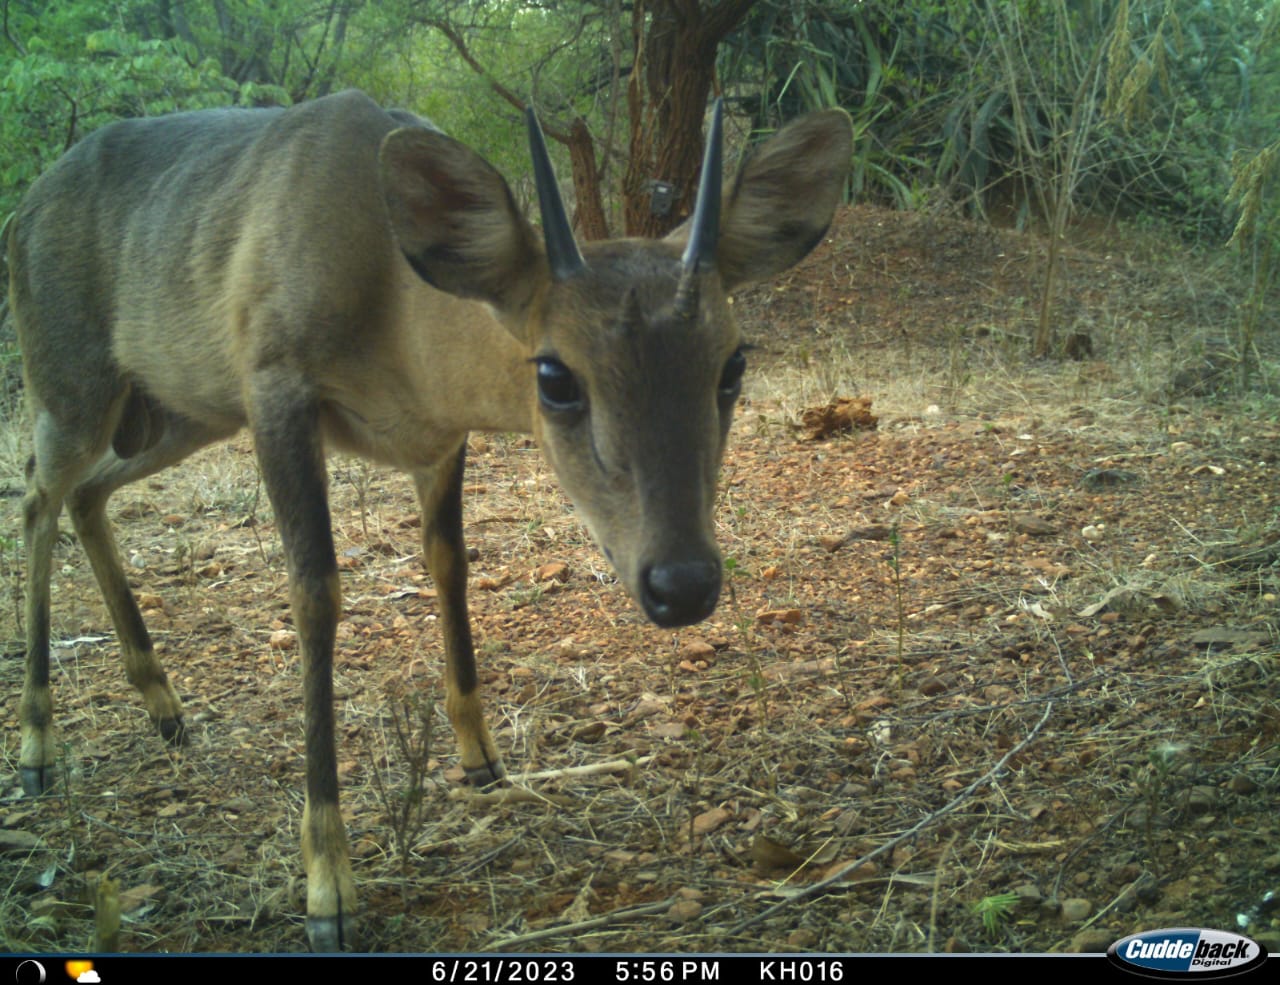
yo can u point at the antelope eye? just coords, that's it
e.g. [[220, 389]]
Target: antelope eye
[[731, 375], [557, 388]]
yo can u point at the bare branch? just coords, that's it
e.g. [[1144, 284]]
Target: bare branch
[[511, 97], [8, 32]]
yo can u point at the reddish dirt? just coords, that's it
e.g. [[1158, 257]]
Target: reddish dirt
[[997, 675]]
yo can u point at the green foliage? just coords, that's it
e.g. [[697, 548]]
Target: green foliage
[[795, 57], [70, 66], [48, 100], [938, 112], [995, 911], [1257, 236], [72, 69], [1251, 177], [941, 109]]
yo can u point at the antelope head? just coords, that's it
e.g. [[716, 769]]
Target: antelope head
[[635, 357]]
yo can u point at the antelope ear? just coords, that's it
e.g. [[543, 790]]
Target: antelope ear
[[783, 198], [456, 221]]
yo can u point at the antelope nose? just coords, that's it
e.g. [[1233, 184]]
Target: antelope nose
[[679, 593]]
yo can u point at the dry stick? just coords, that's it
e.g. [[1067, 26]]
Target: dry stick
[[612, 766], [519, 794], [991, 774], [572, 928]]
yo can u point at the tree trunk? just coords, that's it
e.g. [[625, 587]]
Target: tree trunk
[[675, 43], [591, 221]]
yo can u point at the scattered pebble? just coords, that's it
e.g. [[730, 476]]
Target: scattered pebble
[[684, 911], [1091, 941]]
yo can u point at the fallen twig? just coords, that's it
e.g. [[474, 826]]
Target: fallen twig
[[563, 929], [612, 766], [518, 793]]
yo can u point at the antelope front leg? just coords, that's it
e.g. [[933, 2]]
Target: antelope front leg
[[440, 494], [291, 457]]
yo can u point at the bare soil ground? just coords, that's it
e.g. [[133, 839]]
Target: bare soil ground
[[998, 675]]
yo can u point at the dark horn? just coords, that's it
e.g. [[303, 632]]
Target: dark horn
[[562, 248], [705, 228]]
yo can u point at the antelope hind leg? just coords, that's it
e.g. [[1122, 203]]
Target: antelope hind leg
[[174, 439]]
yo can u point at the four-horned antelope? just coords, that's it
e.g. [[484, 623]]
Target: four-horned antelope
[[336, 273]]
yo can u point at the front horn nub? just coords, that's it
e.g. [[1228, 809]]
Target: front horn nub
[[562, 248], [704, 228]]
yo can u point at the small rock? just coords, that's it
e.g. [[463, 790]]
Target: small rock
[[769, 855], [698, 650], [684, 911], [283, 639], [1270, 939], [708, 821], [591, 732], [17, 842], [1144, 889], [136, 897], [802, 939], [789, 617], [1091, 941], [554, 571], [1032, 525], [1200, 799], [1096, 480], [570, 649], [1242, 783], [1076, 909]]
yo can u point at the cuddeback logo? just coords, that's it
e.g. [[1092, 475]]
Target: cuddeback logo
[[1184, 952]]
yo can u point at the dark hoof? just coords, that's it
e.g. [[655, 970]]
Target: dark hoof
[[36, 780], [488, 775], [173, 731], [331, 935]]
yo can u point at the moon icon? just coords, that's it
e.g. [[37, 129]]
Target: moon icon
[[29, 973]]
